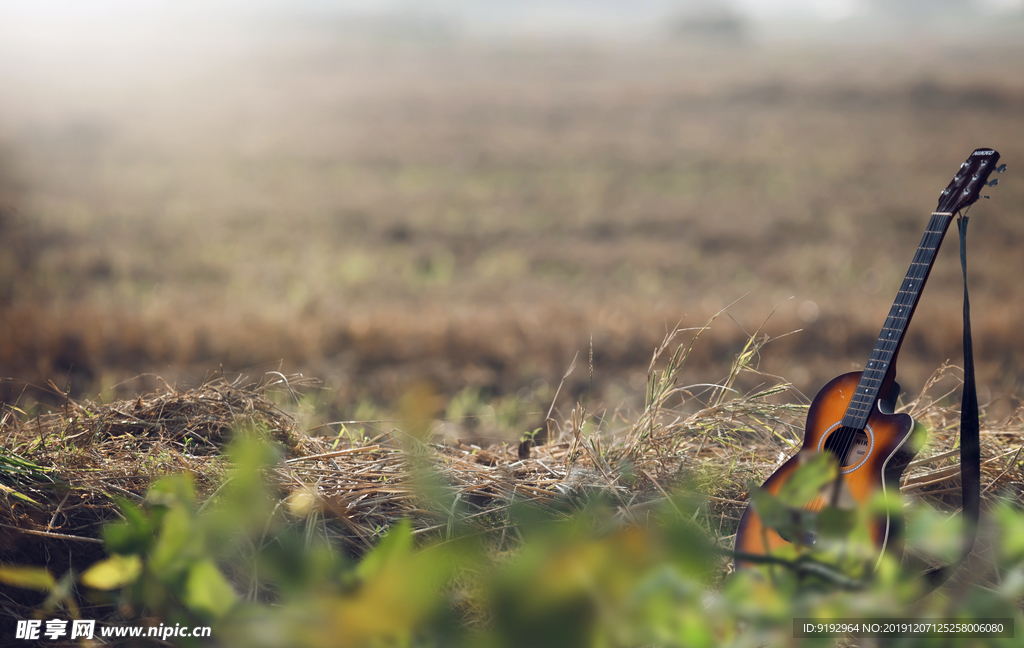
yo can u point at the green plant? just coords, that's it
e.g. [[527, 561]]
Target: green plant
[[266, 574]]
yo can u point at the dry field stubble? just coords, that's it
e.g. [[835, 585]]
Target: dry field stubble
[[476, 215]]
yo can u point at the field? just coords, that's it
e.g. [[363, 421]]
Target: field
[[447, 238], [468, 217]]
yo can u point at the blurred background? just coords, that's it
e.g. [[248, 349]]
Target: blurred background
[[466, 194]]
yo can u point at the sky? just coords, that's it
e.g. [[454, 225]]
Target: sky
[[761, 9], [41, 22]]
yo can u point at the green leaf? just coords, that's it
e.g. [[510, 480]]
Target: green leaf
[[934, 533], [1012, 537], [134, 535], [21, 496], [173, 490], [817, 469], [396, 545], [790, 521], [784, 512], [113, 573], [836, 523], [176, 533], [36, 578], [207, 591], [398, 592]]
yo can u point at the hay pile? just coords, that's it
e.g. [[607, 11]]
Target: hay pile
[[60, 472]]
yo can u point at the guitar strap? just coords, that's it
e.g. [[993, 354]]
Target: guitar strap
[[970, 438]]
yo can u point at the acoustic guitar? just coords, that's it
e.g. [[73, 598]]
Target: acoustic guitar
[[852, 416]]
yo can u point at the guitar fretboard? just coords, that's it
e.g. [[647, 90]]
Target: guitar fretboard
[[895, 326]]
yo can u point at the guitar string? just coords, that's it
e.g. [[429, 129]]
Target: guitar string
[[942, 217], [896, 323], [880, 355], [938, 224], [885, 347], [883, 353]]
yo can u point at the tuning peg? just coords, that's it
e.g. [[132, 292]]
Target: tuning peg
[[1001, 168], [994, 182]]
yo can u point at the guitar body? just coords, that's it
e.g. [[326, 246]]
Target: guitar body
[[873, 465]]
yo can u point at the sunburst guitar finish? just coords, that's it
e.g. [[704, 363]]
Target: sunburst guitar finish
[[851, 417], [873, 464]]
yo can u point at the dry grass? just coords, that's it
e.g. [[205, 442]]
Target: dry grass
[[63, 470]]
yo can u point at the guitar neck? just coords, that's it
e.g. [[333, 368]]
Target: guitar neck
[[889, 340]]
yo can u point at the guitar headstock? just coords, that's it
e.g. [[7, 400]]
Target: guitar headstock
[[965, 189]]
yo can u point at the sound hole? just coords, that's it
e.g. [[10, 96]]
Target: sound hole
[[849, 444]]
